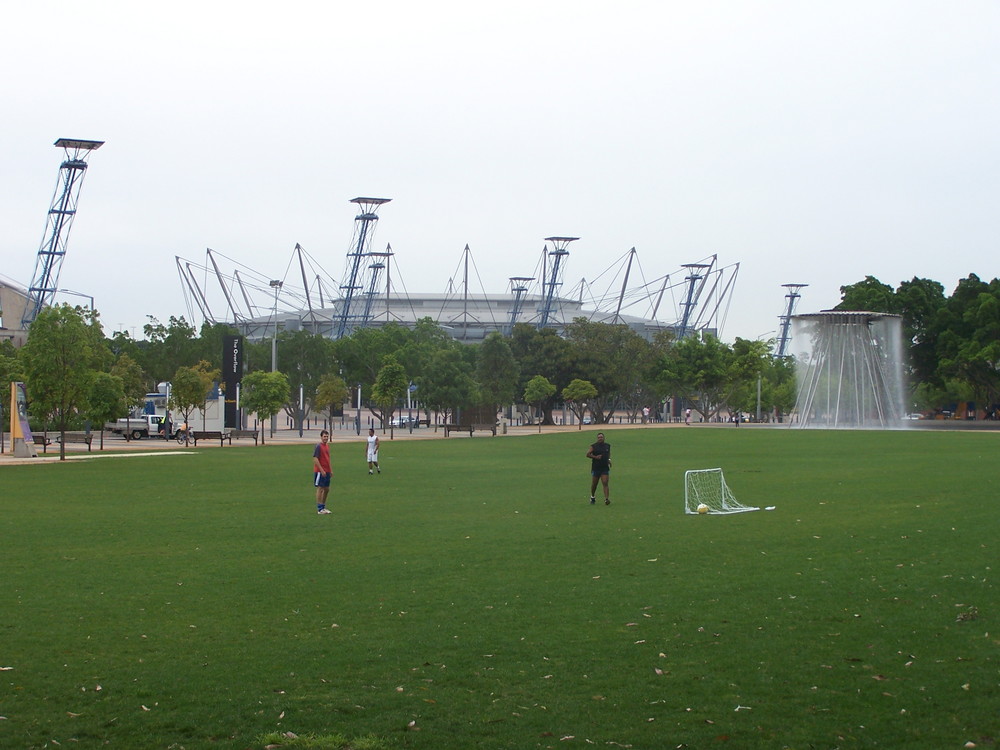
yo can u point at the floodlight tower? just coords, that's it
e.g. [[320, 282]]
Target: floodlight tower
[[48, 263], [557, 254], [379, 263], [691, 301], [519, 286], [364, 230], [786, 320]]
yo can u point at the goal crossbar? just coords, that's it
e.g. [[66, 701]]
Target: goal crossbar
[[708, 487]]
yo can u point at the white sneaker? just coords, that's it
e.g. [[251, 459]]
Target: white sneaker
[[323, 512]]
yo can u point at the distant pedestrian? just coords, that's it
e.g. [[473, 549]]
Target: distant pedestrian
[[372, 451], [322, 472], [687, 417], [600, 467]]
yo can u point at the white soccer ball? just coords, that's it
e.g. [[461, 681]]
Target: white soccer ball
[[702, 508]]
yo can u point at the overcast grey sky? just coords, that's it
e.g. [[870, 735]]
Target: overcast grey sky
[[811, 142]]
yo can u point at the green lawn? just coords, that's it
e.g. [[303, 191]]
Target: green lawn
[[471, 597]]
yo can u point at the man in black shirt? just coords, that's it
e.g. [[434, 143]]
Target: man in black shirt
[[600, 467]]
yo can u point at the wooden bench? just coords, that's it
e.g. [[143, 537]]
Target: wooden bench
[[237, 434], [76, 437], [470, 428], [210, 435], [43, 440]]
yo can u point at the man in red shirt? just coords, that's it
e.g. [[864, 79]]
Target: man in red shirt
[[322, 473]]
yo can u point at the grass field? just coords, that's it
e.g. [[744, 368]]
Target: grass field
[[471, 597]]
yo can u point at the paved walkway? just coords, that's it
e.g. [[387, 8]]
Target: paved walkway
[[116, 446]]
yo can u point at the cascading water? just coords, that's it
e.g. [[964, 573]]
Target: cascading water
[[849, 370]]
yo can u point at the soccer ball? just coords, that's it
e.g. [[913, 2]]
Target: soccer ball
[[702, 508]]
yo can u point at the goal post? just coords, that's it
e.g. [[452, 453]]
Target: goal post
[[708, 487]]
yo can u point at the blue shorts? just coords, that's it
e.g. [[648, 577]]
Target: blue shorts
[[600, 472], [321, 480]]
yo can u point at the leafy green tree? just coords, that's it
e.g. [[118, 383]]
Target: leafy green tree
[[363, 352], [698, 368], [919, 302], [543, 352], [423, 342], [10, 369], [331, 393], [65, 349], [264, 393], [390, 386], [169, 347], [133, 382], [616, 360], [446, 383], [187, 393], [751, 362], [305, 358], [496, 372], [209, 343], [106, 401], [537, 391], [870, 295], [971, 351], [577, 395]]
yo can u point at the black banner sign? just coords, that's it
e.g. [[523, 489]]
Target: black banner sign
[[232, 374]]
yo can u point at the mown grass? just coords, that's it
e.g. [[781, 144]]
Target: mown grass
[[471, 597]]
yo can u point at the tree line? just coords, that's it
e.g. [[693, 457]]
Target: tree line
[[75, 374], [953, 341]]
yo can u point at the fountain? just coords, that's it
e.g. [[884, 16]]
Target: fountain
[[849, 370]]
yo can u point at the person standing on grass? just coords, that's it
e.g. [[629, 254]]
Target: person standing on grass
[[600, 467], [372, 451], [322, 473]]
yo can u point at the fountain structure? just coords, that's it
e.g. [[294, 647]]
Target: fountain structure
[[849, 368]]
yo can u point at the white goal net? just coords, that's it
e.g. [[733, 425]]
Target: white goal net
[[708, 487]]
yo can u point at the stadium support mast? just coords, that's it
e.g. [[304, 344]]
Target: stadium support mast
[[695, 274], [353, 285], [48, 263], [621, 297], [519, 287], [552, 280], [786, 320], [379, 262]]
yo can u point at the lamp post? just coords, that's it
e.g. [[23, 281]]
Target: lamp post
[[276, 286], [357, 419]]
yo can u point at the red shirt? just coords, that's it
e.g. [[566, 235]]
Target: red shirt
[[322, 456]]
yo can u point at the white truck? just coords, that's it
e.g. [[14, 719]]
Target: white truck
[[138, 427]]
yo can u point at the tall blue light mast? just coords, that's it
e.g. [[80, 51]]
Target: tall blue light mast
[[48, 264], [353, 286], [552, 280], [695, 274], [786, 320]]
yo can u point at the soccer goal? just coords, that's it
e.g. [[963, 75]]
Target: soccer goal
[[708, 487]]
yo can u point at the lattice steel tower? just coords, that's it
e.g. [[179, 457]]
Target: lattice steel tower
[[48, 263], [350, 316], [552, 280], [695, 274], [519, 287], [786, 320]]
